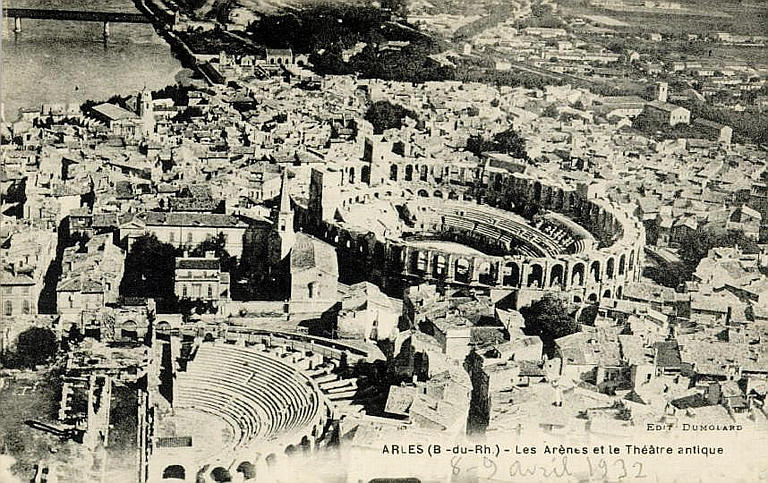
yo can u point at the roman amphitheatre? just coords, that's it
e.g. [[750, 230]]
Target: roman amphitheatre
[[481, 226]]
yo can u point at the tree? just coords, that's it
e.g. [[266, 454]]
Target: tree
[[385, 115], [177, 92], [549, 318], [74, 334], [149, 269], [508, 142], [217, 245], [696, 245], [34, 346], [397, 7], [511, 143], [551, 111], [588, 315], [187, 114], [477, 144]]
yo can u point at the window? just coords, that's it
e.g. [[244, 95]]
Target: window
[[189, 237], [184, 290], [25, 289], [172, 237], [25, 306], [210, 291], [310, 290], [7, 290], [8, 307]]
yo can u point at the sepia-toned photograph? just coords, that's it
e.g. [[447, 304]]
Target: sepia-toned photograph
[[384, 241]]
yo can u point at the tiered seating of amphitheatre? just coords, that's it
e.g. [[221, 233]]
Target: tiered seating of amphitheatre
[[574, 237], [496, 224], [260, 397]]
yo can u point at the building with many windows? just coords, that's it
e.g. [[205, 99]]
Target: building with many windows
[[25, 261], [201, 278]]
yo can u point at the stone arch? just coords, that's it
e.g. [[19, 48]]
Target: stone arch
[[576, 299], [547, 197], [556, 275], [305, 445], [408, 172], [248, 470], [485, 273], [174, 471], [453, 196], [423, 193], [622, 263], [208, 337], [393, 172], [290, 450], [511, 274], [536, 276], [221, 475], [461, 270], [437, 194], [560, 199], [441, 266], [163, 326], [594, 271], [607, 294], [420, 261], [129, 329], [365, 175], [592, 298], [537, 191], [577, 274], [379, 252], [609, 268]]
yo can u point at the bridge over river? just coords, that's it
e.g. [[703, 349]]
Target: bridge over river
[[77, 15]]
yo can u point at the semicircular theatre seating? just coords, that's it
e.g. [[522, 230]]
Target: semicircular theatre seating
[[257, 396]]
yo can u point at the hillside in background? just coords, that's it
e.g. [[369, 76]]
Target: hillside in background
[[245, 11]]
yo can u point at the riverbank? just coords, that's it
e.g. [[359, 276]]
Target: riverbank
[[163, 18]]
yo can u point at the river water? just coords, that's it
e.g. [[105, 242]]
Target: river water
[[54, 61]]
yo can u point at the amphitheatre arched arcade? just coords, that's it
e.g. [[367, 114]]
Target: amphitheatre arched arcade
[[489, 228]]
